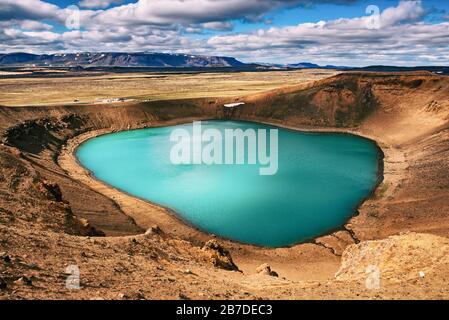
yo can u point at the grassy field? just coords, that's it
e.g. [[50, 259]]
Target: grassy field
[[26, 91]]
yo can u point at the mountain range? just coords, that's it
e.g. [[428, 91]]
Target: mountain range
[[168, 60], [139, 59], [116, 59]]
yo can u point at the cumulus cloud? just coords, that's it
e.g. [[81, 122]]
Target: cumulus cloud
[[162, 12], [34, 25], [401, 37], [218, 25], [407, 11], [27, 10], [152, 12], [12, 39]]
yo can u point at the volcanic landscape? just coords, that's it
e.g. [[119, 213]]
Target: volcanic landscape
[[55, 214]]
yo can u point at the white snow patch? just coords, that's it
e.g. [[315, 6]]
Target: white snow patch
[[233, 105]]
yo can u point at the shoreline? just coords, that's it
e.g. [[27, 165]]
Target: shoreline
[[147, 214], [177, 216]]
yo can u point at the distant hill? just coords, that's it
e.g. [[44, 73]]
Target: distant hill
[[166, 61], [435, 69], [116, 59], [305, 65]]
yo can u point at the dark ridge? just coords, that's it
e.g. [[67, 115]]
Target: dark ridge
[[117, 59], [444, 70]]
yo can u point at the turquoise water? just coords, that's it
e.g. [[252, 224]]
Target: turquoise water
[[321, 180]]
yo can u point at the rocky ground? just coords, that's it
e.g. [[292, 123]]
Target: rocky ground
[[55, 219]]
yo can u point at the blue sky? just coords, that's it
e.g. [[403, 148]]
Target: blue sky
[[326, 32]]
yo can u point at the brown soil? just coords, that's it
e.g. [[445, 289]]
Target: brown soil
[[54, 214]]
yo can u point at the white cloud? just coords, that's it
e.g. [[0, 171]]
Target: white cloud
[[218, 25], [34, 25], [409, 10], [403, 36], [166, 12], [400, 39], [27, 10], [94, 4]]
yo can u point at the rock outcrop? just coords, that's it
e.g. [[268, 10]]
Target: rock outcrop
[[219, 257], [265, 269], [398, 259]]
